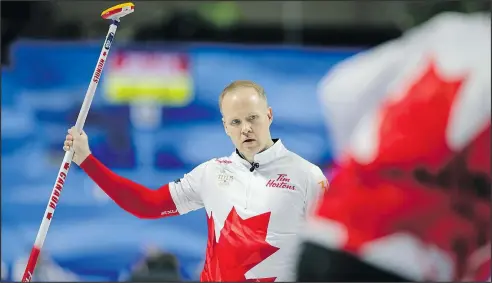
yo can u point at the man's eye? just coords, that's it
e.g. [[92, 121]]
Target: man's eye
[[253, 117], [235, 122]]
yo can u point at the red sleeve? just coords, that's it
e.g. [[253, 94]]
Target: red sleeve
[[132, 197]]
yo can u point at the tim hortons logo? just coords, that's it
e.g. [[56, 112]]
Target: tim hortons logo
[[281, 182]]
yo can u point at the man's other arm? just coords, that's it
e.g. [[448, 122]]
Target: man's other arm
[[317, 185]]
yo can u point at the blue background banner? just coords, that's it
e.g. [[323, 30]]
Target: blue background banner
[[149, 142]]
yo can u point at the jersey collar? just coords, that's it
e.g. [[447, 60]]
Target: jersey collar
[[272, 153]]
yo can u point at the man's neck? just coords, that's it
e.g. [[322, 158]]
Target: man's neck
[[251, 159]]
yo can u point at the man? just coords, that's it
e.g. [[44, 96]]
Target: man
[[411, 198], [256, 199]]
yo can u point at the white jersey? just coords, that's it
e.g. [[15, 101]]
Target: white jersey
[[254, 213]]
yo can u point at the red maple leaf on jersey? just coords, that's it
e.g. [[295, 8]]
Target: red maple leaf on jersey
[[241, 246]]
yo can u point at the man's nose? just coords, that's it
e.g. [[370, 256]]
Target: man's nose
[[246, 128]]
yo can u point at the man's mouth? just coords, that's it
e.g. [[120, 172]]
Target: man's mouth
[[248, 140]]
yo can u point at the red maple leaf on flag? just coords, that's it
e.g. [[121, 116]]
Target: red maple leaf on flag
[[241, 246], [413, 157], [413, 129]]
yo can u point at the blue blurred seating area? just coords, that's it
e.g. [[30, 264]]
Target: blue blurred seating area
[[90, 236]]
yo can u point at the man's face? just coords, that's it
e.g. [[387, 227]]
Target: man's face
[[247, 119]]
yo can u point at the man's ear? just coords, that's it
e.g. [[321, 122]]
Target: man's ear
[[270, 114], [225, 126]]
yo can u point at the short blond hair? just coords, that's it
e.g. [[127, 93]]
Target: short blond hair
[[240, 84]]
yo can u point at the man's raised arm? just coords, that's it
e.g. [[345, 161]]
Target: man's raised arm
[[175, 198]]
